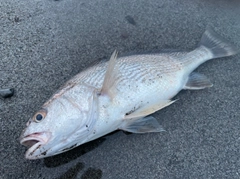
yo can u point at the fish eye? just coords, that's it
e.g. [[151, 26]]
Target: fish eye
[[39, 116]]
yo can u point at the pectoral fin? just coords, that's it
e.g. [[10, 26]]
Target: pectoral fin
[[110, 76], [144, 125], [149, 109], [197, 81]]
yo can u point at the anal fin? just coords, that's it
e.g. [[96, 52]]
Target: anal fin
[[197, 81]]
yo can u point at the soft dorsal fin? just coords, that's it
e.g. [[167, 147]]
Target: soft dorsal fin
[[149, 109], [110, 76]]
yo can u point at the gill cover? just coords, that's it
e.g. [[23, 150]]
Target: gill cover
[[83, 132]]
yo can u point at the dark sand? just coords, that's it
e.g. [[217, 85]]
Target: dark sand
[[45, 42]]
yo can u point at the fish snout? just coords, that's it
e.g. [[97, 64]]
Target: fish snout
[[34, 142], [29, 140]]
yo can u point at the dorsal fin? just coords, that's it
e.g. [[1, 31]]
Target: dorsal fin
[[110, 76]]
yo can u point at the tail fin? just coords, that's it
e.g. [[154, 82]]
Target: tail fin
[[217, 45]]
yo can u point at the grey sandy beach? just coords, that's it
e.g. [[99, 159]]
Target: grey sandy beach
[[43, 43]]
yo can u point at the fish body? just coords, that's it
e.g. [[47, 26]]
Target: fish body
[[118, 94]]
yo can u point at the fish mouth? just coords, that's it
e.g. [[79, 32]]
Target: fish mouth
[[34, 142]]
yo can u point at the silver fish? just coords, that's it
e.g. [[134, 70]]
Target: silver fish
[[119, 94]]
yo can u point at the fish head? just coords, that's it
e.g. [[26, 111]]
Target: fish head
[[63, 122]]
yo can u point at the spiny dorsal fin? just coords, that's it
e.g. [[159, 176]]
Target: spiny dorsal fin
[[110, 75]]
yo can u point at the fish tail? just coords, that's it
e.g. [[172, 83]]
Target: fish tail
[[218, 46]]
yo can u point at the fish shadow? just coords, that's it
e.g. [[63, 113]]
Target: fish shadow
[[72, 173], [73, 154], [66, 157]]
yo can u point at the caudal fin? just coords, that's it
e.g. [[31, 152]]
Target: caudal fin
[[217, 45]]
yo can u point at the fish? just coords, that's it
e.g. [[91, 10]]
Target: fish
[[119, 94]]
